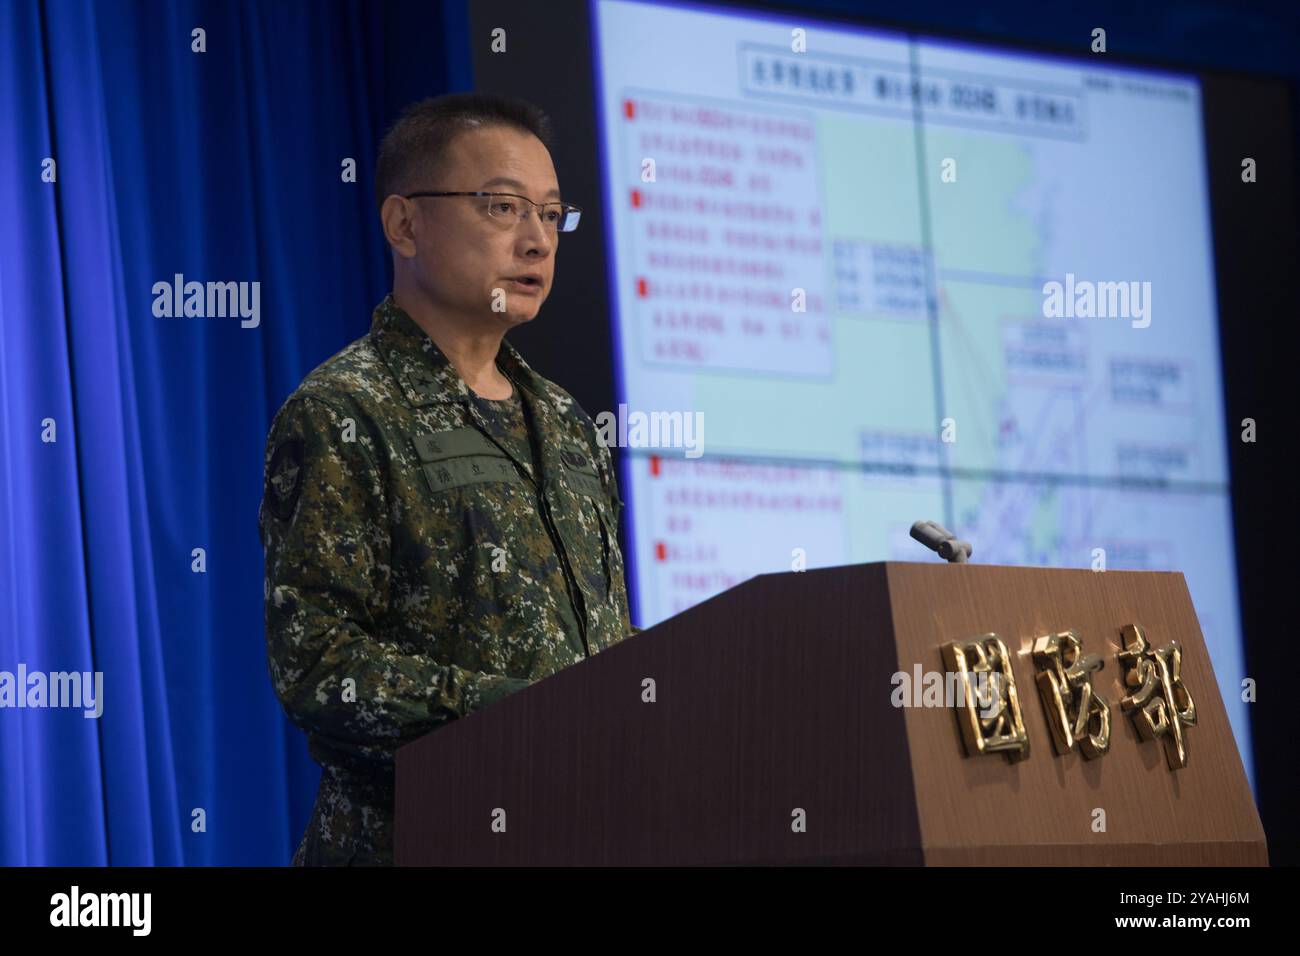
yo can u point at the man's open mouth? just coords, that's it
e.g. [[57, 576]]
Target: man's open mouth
[[526, 282]]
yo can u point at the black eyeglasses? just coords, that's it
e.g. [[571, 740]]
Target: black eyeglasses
[[511, 209]]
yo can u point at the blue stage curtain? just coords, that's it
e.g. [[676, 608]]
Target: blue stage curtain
[[222, 166]]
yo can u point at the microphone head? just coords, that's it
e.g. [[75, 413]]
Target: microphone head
[[930, 534]]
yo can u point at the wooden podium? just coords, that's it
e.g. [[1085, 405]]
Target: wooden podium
[[775, 707]]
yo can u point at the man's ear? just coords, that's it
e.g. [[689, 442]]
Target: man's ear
[[396, 217]]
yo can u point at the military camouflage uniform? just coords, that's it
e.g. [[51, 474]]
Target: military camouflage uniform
[[427, 553]]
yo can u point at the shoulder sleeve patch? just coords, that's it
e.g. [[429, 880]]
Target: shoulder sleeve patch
[[284, 478]]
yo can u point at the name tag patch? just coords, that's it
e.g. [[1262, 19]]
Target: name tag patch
[[462, 456]]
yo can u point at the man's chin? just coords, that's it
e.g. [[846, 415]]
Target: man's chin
[[519, 316]]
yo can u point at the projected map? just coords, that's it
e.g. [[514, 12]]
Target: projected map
[[835, 244]]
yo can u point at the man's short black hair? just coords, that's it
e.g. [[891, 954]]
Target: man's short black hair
[[413, 149]]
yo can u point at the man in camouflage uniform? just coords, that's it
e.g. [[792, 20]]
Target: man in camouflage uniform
[[438, 533]]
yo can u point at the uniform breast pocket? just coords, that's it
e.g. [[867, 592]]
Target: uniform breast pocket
[[595, 547], [602, 561], [463, 457]]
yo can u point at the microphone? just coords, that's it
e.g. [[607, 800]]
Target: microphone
[[938, 538]]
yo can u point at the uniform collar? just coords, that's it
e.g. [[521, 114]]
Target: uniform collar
[[426, 375], [427, 378]]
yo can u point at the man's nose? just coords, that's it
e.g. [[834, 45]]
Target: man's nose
[[534, 234]]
